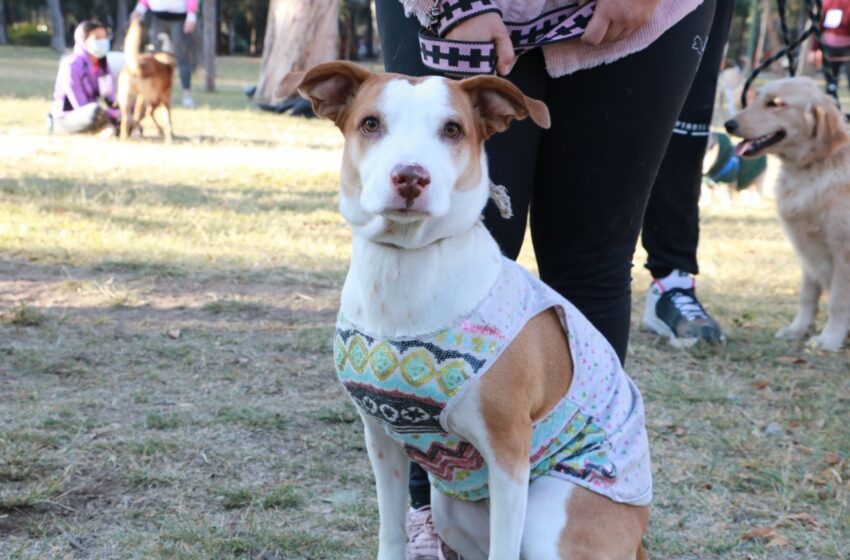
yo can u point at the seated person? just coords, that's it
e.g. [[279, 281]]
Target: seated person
[[83, 79]]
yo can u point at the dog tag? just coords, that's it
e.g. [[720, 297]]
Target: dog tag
[[833, 18]]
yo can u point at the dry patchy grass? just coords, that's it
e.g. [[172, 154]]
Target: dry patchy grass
[[165, 326]]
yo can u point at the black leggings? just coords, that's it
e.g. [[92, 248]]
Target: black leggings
[[584, 183], [837, 58], [671, 223]]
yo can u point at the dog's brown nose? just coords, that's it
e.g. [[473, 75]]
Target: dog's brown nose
[[409, 181]]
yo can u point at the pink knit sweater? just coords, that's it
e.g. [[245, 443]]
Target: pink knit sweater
[[571, 56]]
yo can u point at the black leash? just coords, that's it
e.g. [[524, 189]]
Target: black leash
[[814, 9]]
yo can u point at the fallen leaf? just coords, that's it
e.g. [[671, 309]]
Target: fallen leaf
[[771, 535], [777, 539], [803, 518], [761, 383], [832, 458], [756, 533], [173, 333], [796, 360]]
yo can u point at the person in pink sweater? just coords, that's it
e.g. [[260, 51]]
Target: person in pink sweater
[[614, 95], [176, 19]]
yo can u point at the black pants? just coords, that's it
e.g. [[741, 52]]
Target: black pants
[[837, 58], [671, 223], [585, 182]]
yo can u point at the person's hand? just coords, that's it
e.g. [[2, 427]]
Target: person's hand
[[816, 57], [136, 16], [488, 27], [188, 26], [615, 19]]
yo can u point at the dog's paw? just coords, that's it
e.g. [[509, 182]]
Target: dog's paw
[[827, 342], [791, 332]]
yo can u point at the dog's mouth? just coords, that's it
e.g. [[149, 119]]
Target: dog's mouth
[[752, 146]]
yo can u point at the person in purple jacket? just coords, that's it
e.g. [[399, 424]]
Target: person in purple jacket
[[83, 80]]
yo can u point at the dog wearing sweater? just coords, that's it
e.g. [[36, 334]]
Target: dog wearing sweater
[[456, 357]]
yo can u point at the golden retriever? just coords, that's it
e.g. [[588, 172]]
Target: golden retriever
[[145, 82], [795, 120]]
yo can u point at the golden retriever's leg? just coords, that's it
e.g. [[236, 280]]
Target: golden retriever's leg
[[808, 309], [838, 322], [126, 107]]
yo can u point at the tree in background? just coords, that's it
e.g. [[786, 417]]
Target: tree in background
[[58, 25], [299, 35], [4, 37]]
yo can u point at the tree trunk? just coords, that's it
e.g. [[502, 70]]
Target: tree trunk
[[370, 31], [210, 32], [120, 21], [4, 37], [58, 24], [299, 35]]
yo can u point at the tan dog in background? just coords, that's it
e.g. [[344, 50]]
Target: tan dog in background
[[145, 83], [795, 120]]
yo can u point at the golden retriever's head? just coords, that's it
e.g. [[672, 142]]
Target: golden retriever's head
[[791, 118]]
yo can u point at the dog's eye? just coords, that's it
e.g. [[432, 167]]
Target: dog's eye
[[452, 130], [370, 124], [775, 102]]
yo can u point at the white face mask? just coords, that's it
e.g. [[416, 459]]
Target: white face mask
[[97, 47]]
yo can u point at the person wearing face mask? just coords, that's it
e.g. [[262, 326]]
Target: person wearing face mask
[[83, 80]]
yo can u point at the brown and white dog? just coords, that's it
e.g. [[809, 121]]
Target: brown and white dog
[[414, 182], [145, 84], [803, 127]]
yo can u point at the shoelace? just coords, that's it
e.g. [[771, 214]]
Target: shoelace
[[687, 304]]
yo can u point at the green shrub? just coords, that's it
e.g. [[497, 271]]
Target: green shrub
[[28, 35]]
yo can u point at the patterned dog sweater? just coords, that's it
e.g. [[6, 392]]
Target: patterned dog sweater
[[594, 437]]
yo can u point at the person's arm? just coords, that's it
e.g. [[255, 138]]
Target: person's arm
[[616, 19], [74, 90], [141, 8], [191, 16]]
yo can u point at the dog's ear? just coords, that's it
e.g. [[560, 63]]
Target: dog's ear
[[497, 102], [330, 87], [829, 130]]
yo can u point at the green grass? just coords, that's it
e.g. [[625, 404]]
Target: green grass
[[167, 383]]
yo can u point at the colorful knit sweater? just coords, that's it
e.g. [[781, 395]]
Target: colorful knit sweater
[[595, 436]]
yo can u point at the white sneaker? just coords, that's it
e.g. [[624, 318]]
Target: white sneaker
[[674, 312], [188, 102]]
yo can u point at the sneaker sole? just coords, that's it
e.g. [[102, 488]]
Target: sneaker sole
[[661, 328]]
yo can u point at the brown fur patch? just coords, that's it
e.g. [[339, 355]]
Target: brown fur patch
[[600, 529], [524, 384]]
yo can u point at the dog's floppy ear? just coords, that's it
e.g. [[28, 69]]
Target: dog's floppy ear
[[497, 102], [330, 87], [829, 130]]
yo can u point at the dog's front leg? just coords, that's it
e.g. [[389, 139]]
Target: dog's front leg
[[391, 467], [502, 434], [838, 321], [807, 311]]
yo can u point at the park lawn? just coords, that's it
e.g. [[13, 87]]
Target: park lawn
[[166, 316]]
